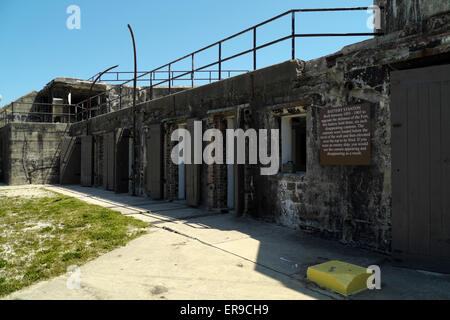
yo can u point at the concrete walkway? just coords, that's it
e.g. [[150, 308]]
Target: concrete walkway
[[195, 254]]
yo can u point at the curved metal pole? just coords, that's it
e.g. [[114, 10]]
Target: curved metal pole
[[96, 79], [135, 145], [135, 66]]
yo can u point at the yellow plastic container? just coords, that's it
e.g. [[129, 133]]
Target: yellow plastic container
[[341, 277]]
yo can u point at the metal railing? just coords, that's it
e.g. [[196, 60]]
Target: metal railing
[[155, 76], [292, 35], [38, 112], [102, 103]]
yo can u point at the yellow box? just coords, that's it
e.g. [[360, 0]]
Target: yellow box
[[342, 277]]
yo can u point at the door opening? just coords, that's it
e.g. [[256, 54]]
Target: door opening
[[230, 173], [181, 175]]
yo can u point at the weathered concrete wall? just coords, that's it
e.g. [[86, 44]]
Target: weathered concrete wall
[[349, 203], [21, 107], [399, 13], [272, 84], [143, 94], [3, 165], [31, 154]]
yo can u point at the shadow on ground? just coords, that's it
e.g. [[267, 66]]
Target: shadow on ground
[[274, 250]]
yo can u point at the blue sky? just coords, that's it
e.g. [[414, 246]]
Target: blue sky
[[36, 45]]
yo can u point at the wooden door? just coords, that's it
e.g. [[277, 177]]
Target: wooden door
[[192, 172], [420, 117], [122, 174], [108, 161], [154, 162], [86, 161]]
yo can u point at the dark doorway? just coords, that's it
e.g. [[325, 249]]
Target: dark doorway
[[108, 160], [154, 162], [193, 178], [70, 161], [299, 143], [86, 161], [122, 160]]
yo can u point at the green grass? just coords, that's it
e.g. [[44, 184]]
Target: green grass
[[41, 237]]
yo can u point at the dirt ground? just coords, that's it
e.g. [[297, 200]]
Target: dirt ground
[[25, 192]]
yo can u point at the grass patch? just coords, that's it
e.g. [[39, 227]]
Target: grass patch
[[41, 237]]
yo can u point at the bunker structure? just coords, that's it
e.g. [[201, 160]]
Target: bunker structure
[[364, 137]]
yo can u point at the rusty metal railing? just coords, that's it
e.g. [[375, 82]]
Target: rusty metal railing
[[292, 35], [158, 76], [102, 102], [38, 112]]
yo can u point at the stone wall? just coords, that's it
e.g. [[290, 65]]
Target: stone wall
[[21, 107], [348, 203], [31, 152], [400, 13], [118, 97], [3, 152]]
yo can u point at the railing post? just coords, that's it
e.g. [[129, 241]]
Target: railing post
[[169, 77], [120, 98], [100, 105], [254, 48], [293, 35], [192, 72], [151, 86], [220, 63]]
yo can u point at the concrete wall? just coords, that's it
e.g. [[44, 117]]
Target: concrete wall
[[31, 152], [348, 203], [3, 166], [143, 94], [29, 149], [21, 107], [400, 13]]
